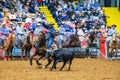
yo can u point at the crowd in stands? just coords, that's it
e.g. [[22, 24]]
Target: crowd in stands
[[24, 16], [21, 17], [85, 17]]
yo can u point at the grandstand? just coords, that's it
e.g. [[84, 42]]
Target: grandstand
[[113, 16], [67, 13]]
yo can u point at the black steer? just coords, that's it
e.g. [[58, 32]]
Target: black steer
[[62, 56]]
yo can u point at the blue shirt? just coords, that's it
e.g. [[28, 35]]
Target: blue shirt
[[4, 30], [38, 30], [52, 32], [111, 31]]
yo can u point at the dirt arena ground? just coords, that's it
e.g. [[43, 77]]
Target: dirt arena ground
[[81, 69]]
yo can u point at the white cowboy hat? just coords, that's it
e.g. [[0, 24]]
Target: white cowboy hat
[[38, 24], [19, 22]]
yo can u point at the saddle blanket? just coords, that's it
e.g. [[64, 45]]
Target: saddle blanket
[[18, 52]]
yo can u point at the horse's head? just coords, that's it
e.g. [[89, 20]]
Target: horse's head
[[41, 36], [74, 41], [41, 40]]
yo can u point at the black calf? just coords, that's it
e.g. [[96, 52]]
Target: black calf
[[62, 56]]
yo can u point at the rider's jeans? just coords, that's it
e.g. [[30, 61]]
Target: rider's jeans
[[3, 39], [20, 37], [50, 41]]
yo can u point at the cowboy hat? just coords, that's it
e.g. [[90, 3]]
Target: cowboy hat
[[114, 25], [19, 22], [38, 23]]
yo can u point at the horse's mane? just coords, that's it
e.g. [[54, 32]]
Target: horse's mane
[[41, 40], [28, 39], [113, 42], [74, 42]]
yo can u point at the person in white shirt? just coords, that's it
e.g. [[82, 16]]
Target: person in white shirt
[[38, 29], [80, 33], [20, 33], [28, 19]]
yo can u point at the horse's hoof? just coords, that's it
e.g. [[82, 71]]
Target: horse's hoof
[[9, 59], [30, 63], [50, 69], [68, 69], [44, 67], [5, 59], [110, 59], [60, 70]]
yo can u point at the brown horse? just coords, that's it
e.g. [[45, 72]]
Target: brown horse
[[113, 46], [8, 44], [74, 42], [27, 46], [40, 50]]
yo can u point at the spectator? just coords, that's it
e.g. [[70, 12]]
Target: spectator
[[113, 30], [1, 8], [1, 15], [33, 24], [7, 4], [32, 8], [38, 29], [110, 33]]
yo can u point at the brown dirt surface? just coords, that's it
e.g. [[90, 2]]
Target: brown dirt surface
[[81, 69]]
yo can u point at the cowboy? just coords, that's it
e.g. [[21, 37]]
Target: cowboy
[[111, 31], [5, 34], [51, 35], [20, 32], [38, 29], [62, 33]]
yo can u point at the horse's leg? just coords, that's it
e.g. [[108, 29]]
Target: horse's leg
[[87, 53], [11, 56], [4, 53], [116, 53], [28, 53], [111, 54], [22, 53], [8, 55], [49, 62], [37, 61], [32, 59]]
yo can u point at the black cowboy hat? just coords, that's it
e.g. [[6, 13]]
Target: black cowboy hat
[[114, 25]]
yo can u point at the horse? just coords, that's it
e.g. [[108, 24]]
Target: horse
[[74, 42], [27, 46], [8, 47], [86, 41], [113, 46], [40, 50]]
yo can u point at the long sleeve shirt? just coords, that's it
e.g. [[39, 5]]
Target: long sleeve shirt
[[20, 30], [38, 30], [111, 31], [4, 31]]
